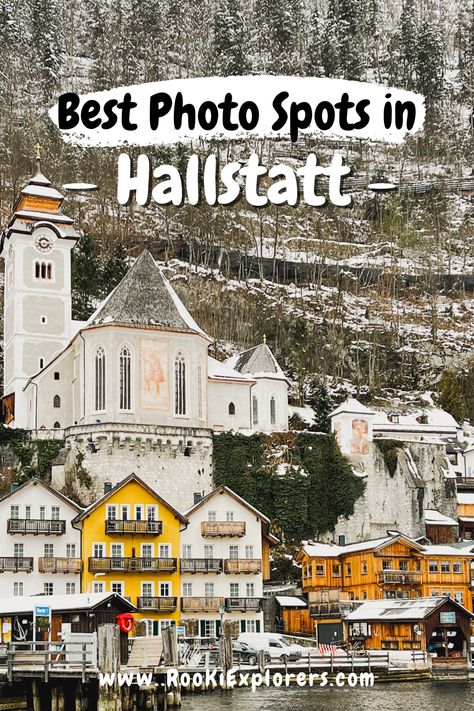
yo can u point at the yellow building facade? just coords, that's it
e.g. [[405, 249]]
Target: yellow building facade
[[131, 546], [391, 567]]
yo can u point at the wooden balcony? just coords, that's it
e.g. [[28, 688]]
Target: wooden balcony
[[399, 577], [243, 604], [36, 526], [201, 604], [133, 527], [60, 565], [158, 604], [16, 565], [132, 565], [223, 529], [242, 565], [201, 565]]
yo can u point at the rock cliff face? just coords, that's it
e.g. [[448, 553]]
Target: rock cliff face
[[401, 483]]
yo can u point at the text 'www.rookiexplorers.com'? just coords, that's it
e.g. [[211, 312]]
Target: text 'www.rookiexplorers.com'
[[235, 678]]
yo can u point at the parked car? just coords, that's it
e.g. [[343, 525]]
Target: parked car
[[243, 652], [274, 644]]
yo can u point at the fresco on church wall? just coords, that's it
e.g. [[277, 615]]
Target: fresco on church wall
[[360, 438], [154, 381]]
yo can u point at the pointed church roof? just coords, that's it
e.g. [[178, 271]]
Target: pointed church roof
[[258, 361], [145, 297]]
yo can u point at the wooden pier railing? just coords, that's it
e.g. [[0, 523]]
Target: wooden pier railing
[[26, 659]]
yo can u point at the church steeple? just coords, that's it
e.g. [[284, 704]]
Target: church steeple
[[36, 247]]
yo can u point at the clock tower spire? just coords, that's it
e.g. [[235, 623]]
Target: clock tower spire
[[36, 247]]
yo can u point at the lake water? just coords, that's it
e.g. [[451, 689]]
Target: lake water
[[420, 696]]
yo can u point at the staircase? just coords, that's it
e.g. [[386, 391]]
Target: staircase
[[145, 652]]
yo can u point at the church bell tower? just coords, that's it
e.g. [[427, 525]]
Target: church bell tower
[[36, 247]]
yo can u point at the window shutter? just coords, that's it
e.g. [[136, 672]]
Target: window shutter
[[218, 628], [257, 625], [242, 625], [202, 628]]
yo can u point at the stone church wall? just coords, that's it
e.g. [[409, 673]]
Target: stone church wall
[[176, 463]]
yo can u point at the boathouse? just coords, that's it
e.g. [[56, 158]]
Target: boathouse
[[438, 625], [48, 617]]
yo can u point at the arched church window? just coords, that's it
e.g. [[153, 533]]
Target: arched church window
[[99, 379], [57, 426], [180, 384], [272, 410], [231, 408], [49, 271], [37, 270], [254, 410], [125, 379], [56, 401]]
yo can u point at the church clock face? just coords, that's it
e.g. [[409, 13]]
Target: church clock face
[[43, 243]]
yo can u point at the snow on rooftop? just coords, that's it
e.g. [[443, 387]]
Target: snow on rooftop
[[406, 609], [78, 601], [353, 407], [290, 601], [217, 369], [465, 498], [435, 518]]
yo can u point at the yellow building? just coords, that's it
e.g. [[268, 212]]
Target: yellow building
[[130, 545], [391, 567]]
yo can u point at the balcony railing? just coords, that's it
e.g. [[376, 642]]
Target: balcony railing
[[201, 565], [150, 528], [242, 565], [60, 565], [243, 604], [16, 565], [399, 577], [221, 529], [132, 565], [35, 526], [201, 604], [158, 604]]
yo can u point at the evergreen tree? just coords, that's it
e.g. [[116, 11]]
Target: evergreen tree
[[313, 60], [114, 268], [231, 48], [451, 397], [330, 48], [46, 44], [320, 402], [429, 61], [85, 278]]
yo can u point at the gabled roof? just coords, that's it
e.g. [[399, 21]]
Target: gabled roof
[[331, 550], [257, 361], [145, 297], [412, 609], [120, 485], [39, 482], [60, 603], [352, 406], [225, 490]]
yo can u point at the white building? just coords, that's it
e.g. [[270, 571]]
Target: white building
[[133, 388], [356, 425], [224, 560], [39, 549]]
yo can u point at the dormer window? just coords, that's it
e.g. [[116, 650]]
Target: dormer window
[[422, 419], [394, 417]]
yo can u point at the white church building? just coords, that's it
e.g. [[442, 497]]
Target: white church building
[[133, 389]]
